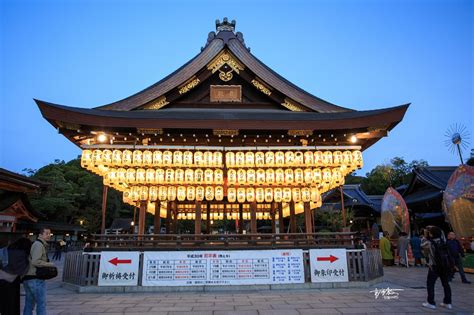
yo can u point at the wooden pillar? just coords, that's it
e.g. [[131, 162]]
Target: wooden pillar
[[141, 217], [292, 217], [241, 218], [281, 221], [253, 217], [273, 213], [197, 222], [175, 217], [308, 218], [104, 207], [168, 217], [157, 218], [342, 208], [208, 219]]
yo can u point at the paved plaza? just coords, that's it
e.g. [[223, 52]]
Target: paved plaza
[[277, 302]]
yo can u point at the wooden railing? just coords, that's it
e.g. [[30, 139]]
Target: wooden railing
[[82, 268], [222, 241]]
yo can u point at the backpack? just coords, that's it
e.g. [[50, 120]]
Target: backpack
[[443, 259]]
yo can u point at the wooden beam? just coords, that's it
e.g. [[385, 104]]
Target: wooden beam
[[208, 218], [104, 208], [281, 221], [342, 207], [157, 218], [168, 217], [175, 217], [292, 217], [253, 217], [308, 218], [273, 213], [197, 222], [241, 218], [141, 217]]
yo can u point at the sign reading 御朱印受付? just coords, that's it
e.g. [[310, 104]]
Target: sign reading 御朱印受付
[[222, 267], [328, 265], [118, 268]]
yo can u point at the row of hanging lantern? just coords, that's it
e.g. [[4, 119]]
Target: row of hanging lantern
[[222, 216], [293, 158], [116, 176], [138, 158], [210, 193]]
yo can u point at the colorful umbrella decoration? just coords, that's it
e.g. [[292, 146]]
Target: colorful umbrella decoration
[[395, 217], [458, 201]]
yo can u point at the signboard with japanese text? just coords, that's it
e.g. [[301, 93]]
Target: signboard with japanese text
[[118, 268], [222, 267], [328, 265]]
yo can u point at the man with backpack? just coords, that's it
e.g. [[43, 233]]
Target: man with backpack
[[458, 252], [441, 264]]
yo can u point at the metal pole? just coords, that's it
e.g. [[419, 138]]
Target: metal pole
[[342, 208], [459, 151]]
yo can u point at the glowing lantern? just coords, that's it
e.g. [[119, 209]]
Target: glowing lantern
[[296, 194], [198, 176], [259, 159], [249, 159], [121, 176], [177, 158], [106, 180], [117, 158], [357, 159], [153, 194], [218, 176], [259, 195], [245, 215], [231, 195], [344, 170], [324, 188], [279, 158], [240, 159], [270, 158], [137, 158], [315, 196], [172, 194], [279, 176], [270, 176], [208, 176], [208, 158], [318, 158], [157, 158], [147, 158], [181, 193], [346, 157], [289, 176], [190, 193], [219, 193], [209, 193], [143, 193], [107, 157], [159, 176], [199, 193], [259, 215], [127, 158], [260, 178], [179, 176], [136, 193], [289, 158], [326, 172], [189, 176], [96, 158], [337, 178], [86, 158], [308, 158], [188, 158], [299, 176], [317, 176], [230, 159], [251, 176], [268, 194], [308, 175], [150, 176], [127, 195], [232, 176], [250, 194], [162, 193], [277, 195], [217, 158], [299, 158], [327, 158], [241, 195], [169, 176], [140, 176], [286, 194], [337, 158], [167, 158], [305, 194], [241, 176]]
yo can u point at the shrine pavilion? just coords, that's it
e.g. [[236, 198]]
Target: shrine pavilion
[[222, 137]]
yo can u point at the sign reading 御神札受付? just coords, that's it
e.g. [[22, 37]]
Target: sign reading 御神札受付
[[328, 265], [118, 268]]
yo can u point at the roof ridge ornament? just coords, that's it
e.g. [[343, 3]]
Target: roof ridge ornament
[[225, 25]]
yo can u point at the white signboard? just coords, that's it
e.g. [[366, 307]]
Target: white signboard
[[118, 268], [328, 265], [222, 267]]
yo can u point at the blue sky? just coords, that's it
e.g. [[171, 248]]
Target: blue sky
[[357, 54]]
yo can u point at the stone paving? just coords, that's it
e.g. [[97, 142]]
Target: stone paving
[[271, 302]]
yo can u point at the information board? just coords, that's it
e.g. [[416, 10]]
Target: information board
[[118, 268], [222, 267], [328, 265]]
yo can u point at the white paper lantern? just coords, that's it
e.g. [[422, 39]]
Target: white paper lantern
[[260, 176], [251, 177], [299, 158], [219, 193], [315, 196], [131, 176], [172, 193], [268, 194], [159, 176], [250, 192], [299, 176], [208, 158], [198, 158], [162, 193], [240, 159], [117, 157], [141, 176], [157, 158], [189, 176], [279, 158], [241, 195], [167, 158], [286, 194], [241, 176], [259, 195], [150, 176], [177, 158], [217, 159], [308, 158], [181, 193], [209, 193], [259, 159], [218, 176], [208, 176], [337, 158], [200, 193], [278, 194], [289, 176], [198, 176], [270, 158], [327, 158], [188, 158], [107, 157], [289, 158], [317, 176], [279, 176], [179, 176], [147, 158], [231, 195], [190, 193], [153, 194], [318, 158], [232, 177], [169, 176], [137, 158], [270, 176], [305, 194], [230, 159]]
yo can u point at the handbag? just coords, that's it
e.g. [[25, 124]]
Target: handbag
[[46, 273]]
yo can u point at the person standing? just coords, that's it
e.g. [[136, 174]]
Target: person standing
[[402, 245], [440, 265], [386, 249], [415, 243], [35, 289], [458, 253]]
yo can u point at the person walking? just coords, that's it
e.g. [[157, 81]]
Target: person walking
[[458, 253], [441, 265], [35, 289], [415, 243], [386, 249], [402, 246]]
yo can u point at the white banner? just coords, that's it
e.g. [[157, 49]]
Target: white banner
[[118, 268], [328, 265], [222, 267]]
